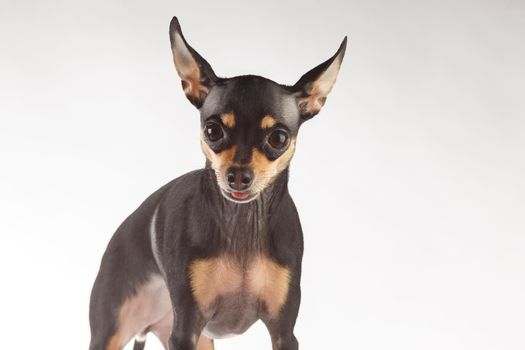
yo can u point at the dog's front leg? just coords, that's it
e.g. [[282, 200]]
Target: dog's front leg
[[185, 335], [188, 319], [281, 326]]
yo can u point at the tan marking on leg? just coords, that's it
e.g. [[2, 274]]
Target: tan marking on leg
[[270, 282], [114, 343], [119, 339], [267, 122], [228, 119], [213, 277], [205, 343]]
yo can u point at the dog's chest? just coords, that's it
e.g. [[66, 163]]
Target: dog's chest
[[261, 280]]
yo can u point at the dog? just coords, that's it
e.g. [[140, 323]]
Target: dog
[[219, 248]]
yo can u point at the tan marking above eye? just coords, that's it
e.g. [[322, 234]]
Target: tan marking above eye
[[268, 121], [228, 119]]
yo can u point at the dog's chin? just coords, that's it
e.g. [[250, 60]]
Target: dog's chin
[[239, 197]]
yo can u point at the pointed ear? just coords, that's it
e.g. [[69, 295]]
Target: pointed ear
[[196, 74], [313, 87]]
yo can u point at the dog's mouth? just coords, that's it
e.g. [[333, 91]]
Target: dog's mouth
[[239, 196]]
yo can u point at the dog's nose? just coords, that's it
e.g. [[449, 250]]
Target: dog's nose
[[239, 179]]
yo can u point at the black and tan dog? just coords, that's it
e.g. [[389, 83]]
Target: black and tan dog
[[219, 248]]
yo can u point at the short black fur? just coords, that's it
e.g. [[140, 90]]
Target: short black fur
[[197, 216]]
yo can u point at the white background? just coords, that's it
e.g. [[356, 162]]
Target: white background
[[410, 183]]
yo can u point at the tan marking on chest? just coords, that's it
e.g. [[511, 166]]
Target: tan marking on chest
[[213, 277], [262, 278], [270, 282]]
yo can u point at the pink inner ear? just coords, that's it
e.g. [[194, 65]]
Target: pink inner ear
[[318, 82], [194, 89], [187, 68], [320, 89], [311, 104]]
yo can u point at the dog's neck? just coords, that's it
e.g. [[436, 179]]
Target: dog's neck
[[245, 225]]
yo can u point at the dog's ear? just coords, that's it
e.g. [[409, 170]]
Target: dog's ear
[[313, 87], [196, 74]]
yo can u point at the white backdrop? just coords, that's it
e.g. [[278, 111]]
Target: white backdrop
[[410, 183]]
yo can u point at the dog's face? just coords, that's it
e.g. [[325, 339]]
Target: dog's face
[[249, 124]]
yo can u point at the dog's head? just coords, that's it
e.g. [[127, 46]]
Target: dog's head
[[249, 124]]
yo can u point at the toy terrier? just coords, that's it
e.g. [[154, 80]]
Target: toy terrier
[[215, 250]]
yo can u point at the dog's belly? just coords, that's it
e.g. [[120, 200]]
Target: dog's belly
[[149, 309], [233, 314]]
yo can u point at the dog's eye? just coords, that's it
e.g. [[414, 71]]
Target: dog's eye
[[278, 139], [213, 131]]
